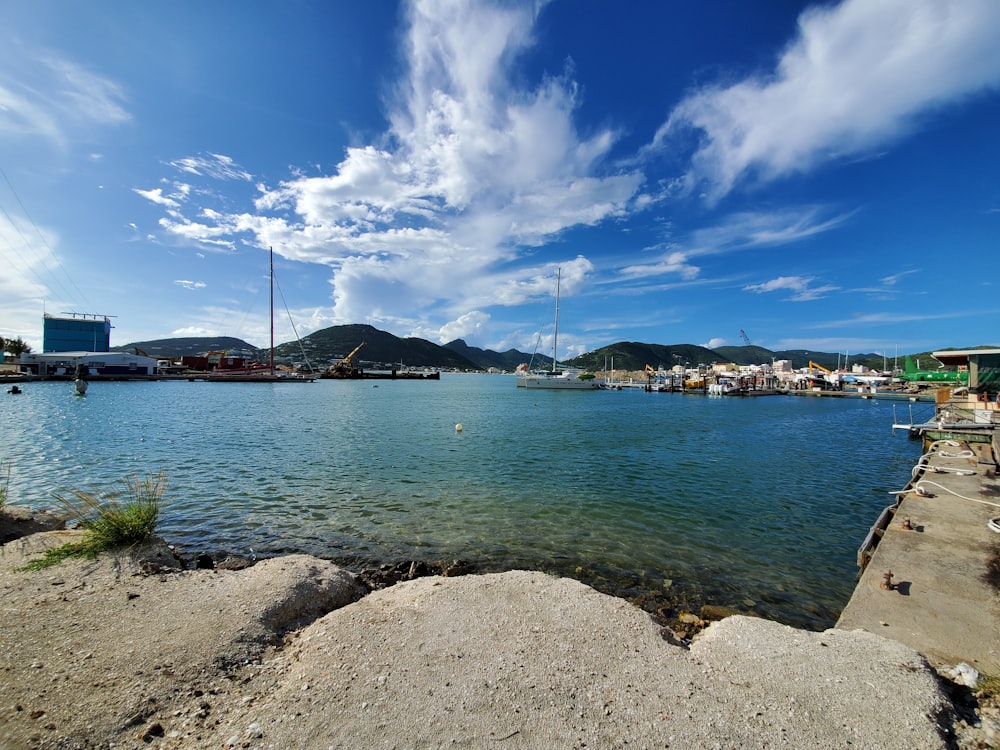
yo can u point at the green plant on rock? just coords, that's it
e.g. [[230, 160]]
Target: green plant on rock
[[989, 689], [109, 520], [4, 482]]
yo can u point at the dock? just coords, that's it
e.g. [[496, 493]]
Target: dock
[[931, 564]]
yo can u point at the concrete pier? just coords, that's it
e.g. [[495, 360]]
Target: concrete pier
[[938, 545]]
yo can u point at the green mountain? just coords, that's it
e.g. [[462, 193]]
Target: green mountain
[[487, 358], [381, 349], [747, 355], [191, 346], [632, 355], [328, 346]]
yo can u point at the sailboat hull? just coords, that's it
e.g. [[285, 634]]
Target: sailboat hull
[[562, 382]]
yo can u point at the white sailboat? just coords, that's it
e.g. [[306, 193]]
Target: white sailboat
[[555, 379]]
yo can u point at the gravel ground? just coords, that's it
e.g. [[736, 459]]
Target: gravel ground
[[131, 651]]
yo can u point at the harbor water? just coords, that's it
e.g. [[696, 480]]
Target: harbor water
[[758, 504]]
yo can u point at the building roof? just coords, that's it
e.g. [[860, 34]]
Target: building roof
[[86, 356], [955, 357]]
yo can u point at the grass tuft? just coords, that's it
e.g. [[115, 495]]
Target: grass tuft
[[989, 688], [4, 482], [108, 520]]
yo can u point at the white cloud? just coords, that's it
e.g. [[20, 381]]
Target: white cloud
[[714, 343], [894, 278], [746, 230], [800, 285], [479, 170], [671, 263], [195, 331], [898, 318], [856, 77], [32, 279], [795, 283], [86, 95], [216, 166], [462, 327], [45, 95], [156, 196], [190, 284]]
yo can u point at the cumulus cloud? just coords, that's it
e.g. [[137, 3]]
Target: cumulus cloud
[[476, 169], [462, 327], [858, 75]]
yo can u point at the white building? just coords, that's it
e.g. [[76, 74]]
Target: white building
[[93, 364]]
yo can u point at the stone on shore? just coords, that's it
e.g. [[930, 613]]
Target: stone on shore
[[129, 650], [529, 660]]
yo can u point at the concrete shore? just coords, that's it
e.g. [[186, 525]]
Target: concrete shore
[[937, 547], [128, 651], [132, 650]]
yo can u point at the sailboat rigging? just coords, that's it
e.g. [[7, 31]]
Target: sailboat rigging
[[554, 379], [259, 373]]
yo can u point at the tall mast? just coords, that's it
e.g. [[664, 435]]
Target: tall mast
[[555, 335], [271, 250]]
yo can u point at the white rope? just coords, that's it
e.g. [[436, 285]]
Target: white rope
[[918, 490]]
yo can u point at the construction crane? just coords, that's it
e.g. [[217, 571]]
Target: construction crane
[[743, 335], [345, 368]]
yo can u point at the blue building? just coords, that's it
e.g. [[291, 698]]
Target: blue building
[[79, 333]]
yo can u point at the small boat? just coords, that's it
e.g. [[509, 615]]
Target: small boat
[[560, 380]]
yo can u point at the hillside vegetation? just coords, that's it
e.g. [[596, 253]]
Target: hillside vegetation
[[327, 346]]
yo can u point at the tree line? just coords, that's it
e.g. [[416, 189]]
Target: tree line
[[14, 347]]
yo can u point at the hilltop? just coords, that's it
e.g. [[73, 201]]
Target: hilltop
[[188, 346]]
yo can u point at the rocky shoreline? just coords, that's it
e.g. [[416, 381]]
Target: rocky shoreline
[[135, 650]]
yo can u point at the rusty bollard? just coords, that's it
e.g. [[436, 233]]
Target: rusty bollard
[[887, 583], [906, 524]]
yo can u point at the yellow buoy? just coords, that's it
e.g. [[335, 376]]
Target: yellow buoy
[[458, 427]]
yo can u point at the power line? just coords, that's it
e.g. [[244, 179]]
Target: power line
[[80, 296]]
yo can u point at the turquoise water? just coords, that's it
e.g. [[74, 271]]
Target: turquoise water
[[756, 503]]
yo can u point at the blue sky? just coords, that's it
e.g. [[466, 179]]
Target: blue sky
[[821, 176]]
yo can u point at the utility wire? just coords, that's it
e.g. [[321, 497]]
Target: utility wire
[[79, 296]]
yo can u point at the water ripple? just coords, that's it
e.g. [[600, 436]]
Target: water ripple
[[753, 503]]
